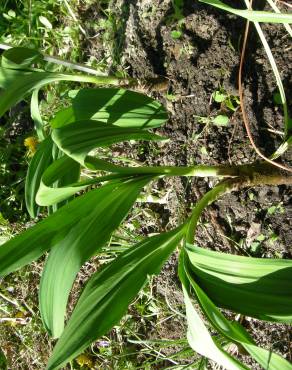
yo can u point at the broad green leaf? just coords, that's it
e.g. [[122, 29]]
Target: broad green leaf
[[220, 120], [39, 162], [198, 335], [111, 205], [233, 330], [79, 138], [18, 85], [48, 195], [257, 287], [108, 293], [114, 106], [35, 241], [55, 184], [8, 76], [69, 175], [252, 15], [19, 58]]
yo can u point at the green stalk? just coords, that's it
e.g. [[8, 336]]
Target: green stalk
[[48, 196], [96, 164], [104, 80], [200, 171], [277, 10], [230, 171], [207, 199]]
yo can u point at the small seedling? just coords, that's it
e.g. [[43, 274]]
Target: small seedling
[[219, 120], [273, 237], [176, 34], [225, 99], [276, 209], [256, 245]]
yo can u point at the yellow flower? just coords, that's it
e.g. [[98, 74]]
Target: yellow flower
[[83, 360], [31, 143]]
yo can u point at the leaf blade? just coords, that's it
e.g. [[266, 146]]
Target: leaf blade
[[39, 163], [79, 138], [252, 15], [233, 330], [252, 282], [198, 335], [111, 204], [119, 281], [114, 106]]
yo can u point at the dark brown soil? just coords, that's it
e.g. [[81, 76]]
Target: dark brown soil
[[203, 59]]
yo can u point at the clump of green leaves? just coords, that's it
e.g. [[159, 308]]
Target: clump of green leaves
[[78, 227]]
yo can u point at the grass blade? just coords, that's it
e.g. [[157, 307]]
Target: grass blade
[[277, 10], [252, 15], [277, 76]]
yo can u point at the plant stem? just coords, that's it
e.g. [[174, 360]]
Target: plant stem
[[101, 80], [243, 170], [207, 199], [156, 83], [200, 171]]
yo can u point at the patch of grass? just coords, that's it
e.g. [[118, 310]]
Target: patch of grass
[[45, 25], [13, 167]]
